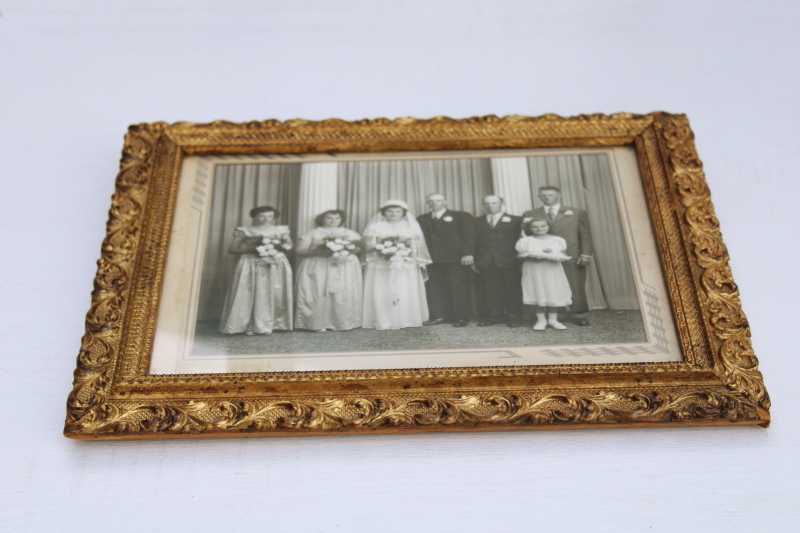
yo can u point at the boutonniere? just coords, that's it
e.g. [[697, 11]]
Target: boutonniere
[[568, 213], [447, 218], [505, 219], [526, 220]]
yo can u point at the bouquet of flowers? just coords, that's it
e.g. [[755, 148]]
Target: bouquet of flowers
[[395, 250], [340, 247], [273, 247], [549, 255]]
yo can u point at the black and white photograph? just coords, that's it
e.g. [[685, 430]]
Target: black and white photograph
[[359, 261]]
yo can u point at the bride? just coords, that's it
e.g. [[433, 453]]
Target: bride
[[394, 288]]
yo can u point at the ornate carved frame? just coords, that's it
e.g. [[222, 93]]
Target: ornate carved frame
[[113, 396]]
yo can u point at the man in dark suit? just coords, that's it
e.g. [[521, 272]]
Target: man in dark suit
[[496, 262], [450, 236], [572, 225]]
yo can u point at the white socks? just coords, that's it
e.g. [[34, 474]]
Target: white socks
[[551, 320]]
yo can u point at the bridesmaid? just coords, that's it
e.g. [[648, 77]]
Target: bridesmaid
[[260, 296], [329, 279]]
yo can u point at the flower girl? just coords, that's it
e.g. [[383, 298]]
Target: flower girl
[[544, 284]]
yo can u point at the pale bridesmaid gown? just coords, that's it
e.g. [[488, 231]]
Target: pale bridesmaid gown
[[259, 299], [329, 291]]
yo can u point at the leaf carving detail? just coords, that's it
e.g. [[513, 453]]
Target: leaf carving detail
[[463, 412], [87, 403], [737, 363]]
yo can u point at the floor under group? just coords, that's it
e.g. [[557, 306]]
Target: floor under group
[[606, 327]]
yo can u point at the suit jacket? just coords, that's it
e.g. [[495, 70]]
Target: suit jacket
[[497, 244], [573, 228], [450, 238]]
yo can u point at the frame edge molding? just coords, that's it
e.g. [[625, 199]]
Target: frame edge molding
[[92, 412]]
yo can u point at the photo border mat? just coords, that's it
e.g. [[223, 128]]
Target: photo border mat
[[197, 176]]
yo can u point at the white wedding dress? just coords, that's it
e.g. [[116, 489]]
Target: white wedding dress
[[394, 293]]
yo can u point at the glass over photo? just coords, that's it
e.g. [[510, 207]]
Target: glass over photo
[[359, 261]]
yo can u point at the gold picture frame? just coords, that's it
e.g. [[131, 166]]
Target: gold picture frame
[[114, 396]]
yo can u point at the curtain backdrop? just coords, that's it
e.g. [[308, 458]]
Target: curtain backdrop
[[365, 185], [237, 189], [585, 182]]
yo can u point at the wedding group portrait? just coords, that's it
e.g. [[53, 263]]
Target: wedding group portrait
[[415, 254]]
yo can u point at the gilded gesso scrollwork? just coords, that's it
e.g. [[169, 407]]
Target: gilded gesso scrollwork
[[736, 362], [464, 411], [724, 387], [99, 350]]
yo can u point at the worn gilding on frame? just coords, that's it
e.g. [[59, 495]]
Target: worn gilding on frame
[[113, 396]]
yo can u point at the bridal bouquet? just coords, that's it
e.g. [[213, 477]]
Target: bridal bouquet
[[273, 247], [395, 250], [340, 247]]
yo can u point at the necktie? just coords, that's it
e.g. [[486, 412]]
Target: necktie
[[551, 215], [494, 220]]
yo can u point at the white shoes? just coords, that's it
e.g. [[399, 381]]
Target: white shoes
[[555, 324]]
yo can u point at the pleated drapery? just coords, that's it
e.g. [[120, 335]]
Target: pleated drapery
[[365, 185], [610, 249], [361, 186], [585, 182], [237, 189]]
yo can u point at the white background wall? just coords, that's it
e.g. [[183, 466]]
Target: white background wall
[[74, 74]]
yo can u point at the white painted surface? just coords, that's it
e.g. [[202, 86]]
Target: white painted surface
[[74, 74]]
